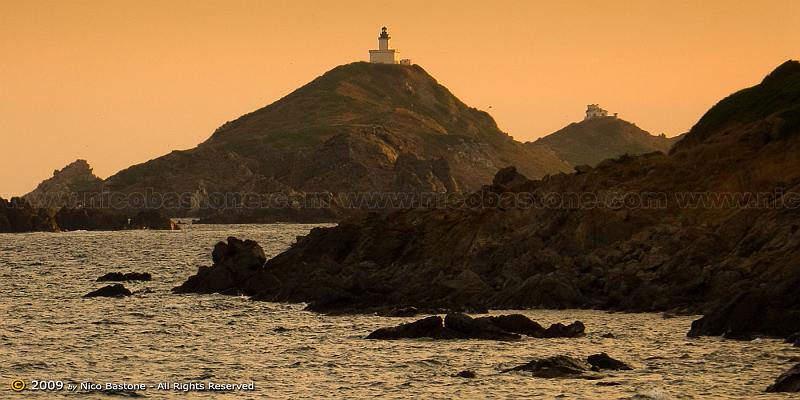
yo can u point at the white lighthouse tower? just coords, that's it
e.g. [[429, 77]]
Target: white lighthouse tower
[[384, 55]]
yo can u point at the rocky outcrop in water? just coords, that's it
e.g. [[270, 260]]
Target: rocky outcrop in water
[[115, 290], [773, 311], [569, 367], [235, 263], [152, 219], [101, 219], [462, 326], [604, 361], [555, 367], [128, 276], [465, 374], [17, 215], [789, 381], [90, 219]]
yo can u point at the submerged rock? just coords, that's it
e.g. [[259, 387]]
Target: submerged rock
[[115, 290], [604, 361], [465, 374], [554, 367], [130, 276], [788, 381]]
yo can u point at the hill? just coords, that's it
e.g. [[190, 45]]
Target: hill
[[65, 187], [590, 141], [712, 227], [358, 128]]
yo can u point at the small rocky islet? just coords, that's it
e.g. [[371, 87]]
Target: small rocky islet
[[115, 290], [462, 326], [561, 366], [125, 276]]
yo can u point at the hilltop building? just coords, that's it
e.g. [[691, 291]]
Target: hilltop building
[[595, 111], [385, 55]]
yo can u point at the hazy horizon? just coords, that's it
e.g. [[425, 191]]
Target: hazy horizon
[[119, 83]]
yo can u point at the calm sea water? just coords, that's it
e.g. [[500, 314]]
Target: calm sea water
[[48, 332]]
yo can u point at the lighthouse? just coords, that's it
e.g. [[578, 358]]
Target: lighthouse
[[385, 55]]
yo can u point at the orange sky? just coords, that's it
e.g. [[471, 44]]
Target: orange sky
[[121, 82]]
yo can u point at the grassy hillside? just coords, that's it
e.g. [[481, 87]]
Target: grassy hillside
[[345, 131], [589, 142]]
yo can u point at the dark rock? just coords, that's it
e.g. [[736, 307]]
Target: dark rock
[[462, 326], [794, 339], [751, 313], [17, 215], [465, 374], [508, 177], [115, 290], [280, 329], [515, 323], [235, 263], [414, 174], [788, 381], [476, 328], [608, 384], [152, 219], [604, 361], [553, 367], [431, 327], [90, 219], [130, 276], [575, 329], [608, 335]]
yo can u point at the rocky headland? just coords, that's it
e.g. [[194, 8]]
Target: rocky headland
[[681, 231]]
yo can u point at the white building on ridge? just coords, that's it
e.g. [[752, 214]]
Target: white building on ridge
[[385, 55], [595, 111]]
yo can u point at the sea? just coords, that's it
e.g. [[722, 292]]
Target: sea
[[160, 345]]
